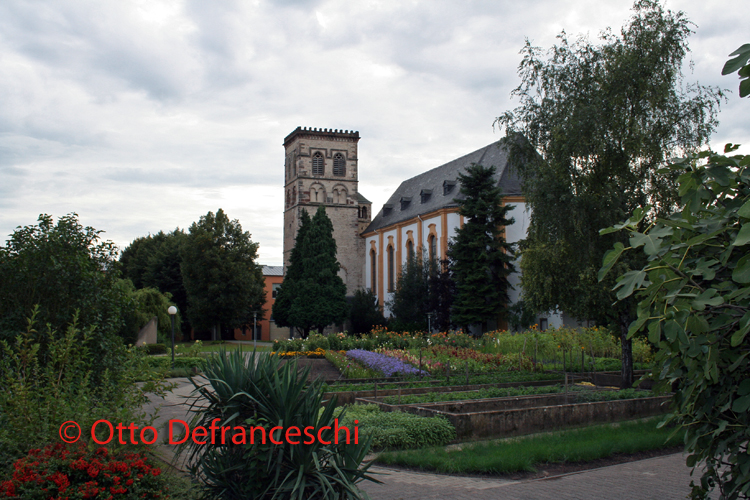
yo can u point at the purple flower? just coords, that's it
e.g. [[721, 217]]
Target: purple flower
[[387, 365]]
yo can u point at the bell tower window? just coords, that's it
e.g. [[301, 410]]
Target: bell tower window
[[339, 165], [317, 163]]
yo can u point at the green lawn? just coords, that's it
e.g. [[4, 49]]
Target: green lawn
[[528, 452]]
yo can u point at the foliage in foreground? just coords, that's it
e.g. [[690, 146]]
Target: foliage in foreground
[[528, 453], [694, 302], [63, 268], [399, 430], [69, 471], [37, 395], [257, 390]]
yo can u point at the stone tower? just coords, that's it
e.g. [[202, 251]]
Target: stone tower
[[321, 169]]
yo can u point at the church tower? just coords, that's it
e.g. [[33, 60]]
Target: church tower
[[321, 169]]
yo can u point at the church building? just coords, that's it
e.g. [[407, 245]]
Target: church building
[[421, 216]]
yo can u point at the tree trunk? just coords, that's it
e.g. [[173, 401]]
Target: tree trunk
[[626, 374]]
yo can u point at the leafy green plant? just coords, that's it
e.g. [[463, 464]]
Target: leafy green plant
[[258, 391], [152, 349], [38, 395], [739, 63], [398, 430], [694, 302]]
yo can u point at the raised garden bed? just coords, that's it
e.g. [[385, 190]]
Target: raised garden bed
[[502, 417], [349, 397]]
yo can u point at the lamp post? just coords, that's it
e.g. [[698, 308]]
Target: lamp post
[[255, 327], [172, 311], [429, 322]]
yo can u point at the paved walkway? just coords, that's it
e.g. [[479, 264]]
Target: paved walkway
[[661, 478]]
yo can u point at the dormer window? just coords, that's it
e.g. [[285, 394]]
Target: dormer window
[[448, 187], [405, 202], [387, 208], [339, 165], [317, 164], [424, 196]]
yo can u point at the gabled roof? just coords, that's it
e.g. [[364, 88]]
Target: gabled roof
[[425, 192]]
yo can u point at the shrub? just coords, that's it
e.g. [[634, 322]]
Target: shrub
[[62, 471], [165, 362], [254, 390], [317, 341], [37, 395], [398, 430], [152, 349]]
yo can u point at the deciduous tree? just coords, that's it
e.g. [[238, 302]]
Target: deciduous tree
[[693, 296], [223, 282], [600, 121]]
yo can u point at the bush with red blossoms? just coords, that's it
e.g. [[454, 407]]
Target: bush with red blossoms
[[60, 472]]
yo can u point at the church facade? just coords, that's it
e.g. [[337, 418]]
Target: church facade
[[421, 216]]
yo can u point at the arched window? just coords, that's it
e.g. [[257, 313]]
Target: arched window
[[364, 213], [317, 163], [410, 250], [339, 165], [373, 271], [432, 245], [391, 277]]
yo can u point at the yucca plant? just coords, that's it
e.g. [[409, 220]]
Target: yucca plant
[[261, 390]]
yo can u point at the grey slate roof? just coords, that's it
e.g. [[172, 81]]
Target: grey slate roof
[[362, 199], [406, 202], [273, 270]]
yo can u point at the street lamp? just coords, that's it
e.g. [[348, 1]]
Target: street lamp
[[172, 311], [429, 322]]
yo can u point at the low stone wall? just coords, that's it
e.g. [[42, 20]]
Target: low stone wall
[[349, 397], [503, 417]]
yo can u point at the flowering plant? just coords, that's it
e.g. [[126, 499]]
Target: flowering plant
[[66, 472], [386, 365]]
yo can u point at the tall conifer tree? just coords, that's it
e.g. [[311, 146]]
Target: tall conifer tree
[[312, 295], [287, 291], [481, 258]]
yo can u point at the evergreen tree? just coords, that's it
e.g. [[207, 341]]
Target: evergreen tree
[[442, 289], [365, 312], [410, 301], [481, 258], [223, 282], [315, 294], [286, 294]]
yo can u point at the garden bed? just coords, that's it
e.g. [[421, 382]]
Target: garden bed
[[349, 397], [502, 417]]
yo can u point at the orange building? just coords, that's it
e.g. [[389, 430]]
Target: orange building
[[267, 330]]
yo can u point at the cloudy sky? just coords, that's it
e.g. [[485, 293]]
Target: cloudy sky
[[143, 115]]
